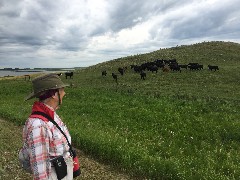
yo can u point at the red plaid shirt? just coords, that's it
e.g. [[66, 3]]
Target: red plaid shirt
[[43, 141]]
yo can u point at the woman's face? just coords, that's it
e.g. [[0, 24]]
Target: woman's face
[[58, 97], [62, 93]]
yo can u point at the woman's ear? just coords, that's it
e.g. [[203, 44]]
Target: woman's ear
[[55, 95]]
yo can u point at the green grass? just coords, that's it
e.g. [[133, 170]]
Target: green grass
[[170, 126], [11, 137]]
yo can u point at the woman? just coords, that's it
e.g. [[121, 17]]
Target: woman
[[43, 142]]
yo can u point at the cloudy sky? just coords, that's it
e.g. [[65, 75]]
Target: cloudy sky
[[80, 33]]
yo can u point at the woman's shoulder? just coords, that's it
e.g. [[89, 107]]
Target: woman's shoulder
[[37, 123]]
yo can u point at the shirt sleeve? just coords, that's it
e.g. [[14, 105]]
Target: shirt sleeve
[[38, 143]]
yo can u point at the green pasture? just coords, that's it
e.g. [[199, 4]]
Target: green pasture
[[169, 126]]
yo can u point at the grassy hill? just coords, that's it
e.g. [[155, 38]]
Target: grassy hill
[[206, 52], [188, 84], [170, 126]]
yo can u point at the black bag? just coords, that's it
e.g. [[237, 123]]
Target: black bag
[[60, 167]]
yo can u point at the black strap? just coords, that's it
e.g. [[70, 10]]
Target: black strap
[[59, 100], [51, 119]]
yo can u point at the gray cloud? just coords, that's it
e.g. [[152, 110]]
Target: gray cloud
[[126, 13], [72, 33], [206, 23]]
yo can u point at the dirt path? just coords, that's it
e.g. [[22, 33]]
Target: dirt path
[[11, 141]]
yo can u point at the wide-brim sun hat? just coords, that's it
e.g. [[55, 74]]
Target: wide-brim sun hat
[[45, 82]]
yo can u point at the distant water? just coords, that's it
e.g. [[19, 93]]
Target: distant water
[[21, 73]]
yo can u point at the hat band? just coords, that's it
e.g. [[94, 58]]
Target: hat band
[[47, 94]]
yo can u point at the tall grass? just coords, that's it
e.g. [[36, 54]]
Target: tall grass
[[170, 126], [157, 137]]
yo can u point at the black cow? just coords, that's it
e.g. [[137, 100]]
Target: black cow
[[70, 74], [137, 69], [153, 68], [185, 66], [121, 71], [174, 67], [115, 77], [104, 73], [200, 66], [160, 65], [143, 75], [59, 74], [213, 68], [193, 66]]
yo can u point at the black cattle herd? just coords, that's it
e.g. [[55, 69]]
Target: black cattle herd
[[154, 67], [163, 65]]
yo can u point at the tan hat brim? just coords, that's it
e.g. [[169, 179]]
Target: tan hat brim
[[32, 94]]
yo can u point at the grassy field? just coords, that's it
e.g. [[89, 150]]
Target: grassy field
[[10, 143], [169, 126]]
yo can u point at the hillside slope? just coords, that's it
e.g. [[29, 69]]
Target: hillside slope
[[215, 52], [187, 84]]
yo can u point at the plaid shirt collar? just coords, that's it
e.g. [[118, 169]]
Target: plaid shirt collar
[[39, 106]]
